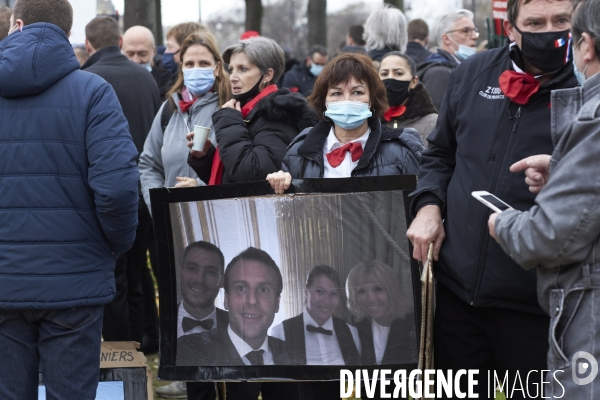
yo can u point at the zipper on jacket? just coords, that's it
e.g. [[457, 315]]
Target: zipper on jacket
[[483, 243]]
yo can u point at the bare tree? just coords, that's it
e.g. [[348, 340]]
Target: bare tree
[[254, 14], [145, 13], [317, 22], [338, 24], [399, 4]]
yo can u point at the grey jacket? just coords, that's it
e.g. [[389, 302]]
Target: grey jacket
[[560, 233], [424, 125], [165, 154]]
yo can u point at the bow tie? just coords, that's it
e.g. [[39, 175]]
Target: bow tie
[[336, 157], [518, 87], [188, 324], [256, 357], [316, 329]]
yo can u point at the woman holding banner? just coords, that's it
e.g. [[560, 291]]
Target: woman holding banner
[[350, 140], [319, 336], [375, 300]]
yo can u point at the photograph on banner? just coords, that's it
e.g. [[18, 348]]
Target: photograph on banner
[[294, 280]]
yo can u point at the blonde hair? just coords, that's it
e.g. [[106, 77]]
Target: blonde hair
[[221, 86], [384, 276]]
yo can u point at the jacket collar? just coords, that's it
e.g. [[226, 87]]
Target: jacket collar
[[591, 88], [103, 53], [312, 147]]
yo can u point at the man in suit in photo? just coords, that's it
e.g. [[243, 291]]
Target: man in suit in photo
[[253, 286], [201, 278]]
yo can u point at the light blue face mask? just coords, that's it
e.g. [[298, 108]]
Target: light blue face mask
[[348, 114], [198, 80], [465, 52], [315, 69], [147, 66], [578, 74]]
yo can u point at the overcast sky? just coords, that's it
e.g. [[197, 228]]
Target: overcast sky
[[176, 11]]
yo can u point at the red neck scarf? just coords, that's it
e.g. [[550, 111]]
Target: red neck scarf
[[252, 103], [394, 112], [518, 86], [216, 173]]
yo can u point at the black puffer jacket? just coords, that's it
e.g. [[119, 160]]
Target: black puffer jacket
[[252, 148], [387, 152]]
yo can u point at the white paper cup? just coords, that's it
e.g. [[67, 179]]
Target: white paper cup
[[200, 136]]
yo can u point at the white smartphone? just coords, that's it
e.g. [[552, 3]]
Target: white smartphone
[[491, 201]]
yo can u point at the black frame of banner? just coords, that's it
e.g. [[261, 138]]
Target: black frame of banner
[[160, 200]]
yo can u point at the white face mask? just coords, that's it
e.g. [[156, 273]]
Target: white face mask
[[14, 28]]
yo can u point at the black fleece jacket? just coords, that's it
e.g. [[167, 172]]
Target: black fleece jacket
[[479, 134], [252, 148]]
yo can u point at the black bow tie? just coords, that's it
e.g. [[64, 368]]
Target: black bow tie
[[256, 357], [188, 324], [315, 329]]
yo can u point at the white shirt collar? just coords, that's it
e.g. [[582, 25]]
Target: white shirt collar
[[308, 320], [333, 143], [182, 313], [242, 347]]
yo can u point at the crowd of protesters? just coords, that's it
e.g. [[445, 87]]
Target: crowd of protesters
[[87, 132]]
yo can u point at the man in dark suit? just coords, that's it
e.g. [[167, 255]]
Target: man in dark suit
[[253, 286], [201, 279], [138, 95]]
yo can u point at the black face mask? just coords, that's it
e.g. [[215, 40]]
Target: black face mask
[[397, 91], [547, 51], [244, 98]]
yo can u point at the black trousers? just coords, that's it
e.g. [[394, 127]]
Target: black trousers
[[269, 390], [124, 316], [201, 391], [489, 339]]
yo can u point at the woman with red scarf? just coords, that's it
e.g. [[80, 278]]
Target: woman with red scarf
[[410, 104], [254, 129]]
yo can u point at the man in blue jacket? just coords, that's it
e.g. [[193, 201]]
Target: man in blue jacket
[[68, 206]]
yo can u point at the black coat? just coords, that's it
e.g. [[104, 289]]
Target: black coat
[[479, 134], [401, 346], [136, 89], [251, 149], [215, 348], [299, 79], [377, 54], [417, 52], [387, 152], [435, 73], [163, 78]]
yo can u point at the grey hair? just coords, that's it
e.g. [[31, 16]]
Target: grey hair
[[446, 22], [263, 52], [386, 27], [586, 19]]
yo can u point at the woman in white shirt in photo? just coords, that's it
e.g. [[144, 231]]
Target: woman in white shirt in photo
[[319, 336], [375, 298]]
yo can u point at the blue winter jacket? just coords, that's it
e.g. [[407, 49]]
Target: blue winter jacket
[[68, 177]]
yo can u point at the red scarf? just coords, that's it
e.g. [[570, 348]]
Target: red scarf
[[518, 87], [394, 112], [216, 173]]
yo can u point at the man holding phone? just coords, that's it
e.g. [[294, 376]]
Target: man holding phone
[[495, 112]]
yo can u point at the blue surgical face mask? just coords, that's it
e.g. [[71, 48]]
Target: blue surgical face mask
[[463, 51], [169, 62], [315, 69], [198, 80], [348, 114], [147, 66], [578, 74]]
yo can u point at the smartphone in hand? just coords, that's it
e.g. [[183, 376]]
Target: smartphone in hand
[[491, 201]]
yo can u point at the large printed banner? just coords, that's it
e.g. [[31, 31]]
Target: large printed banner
[[255, 286]]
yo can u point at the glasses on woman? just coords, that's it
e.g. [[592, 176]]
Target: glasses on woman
[[466, 31]]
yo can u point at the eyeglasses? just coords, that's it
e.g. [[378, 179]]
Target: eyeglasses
[[466, 31]]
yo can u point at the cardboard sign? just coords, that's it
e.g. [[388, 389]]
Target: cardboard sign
[[265, 287]]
